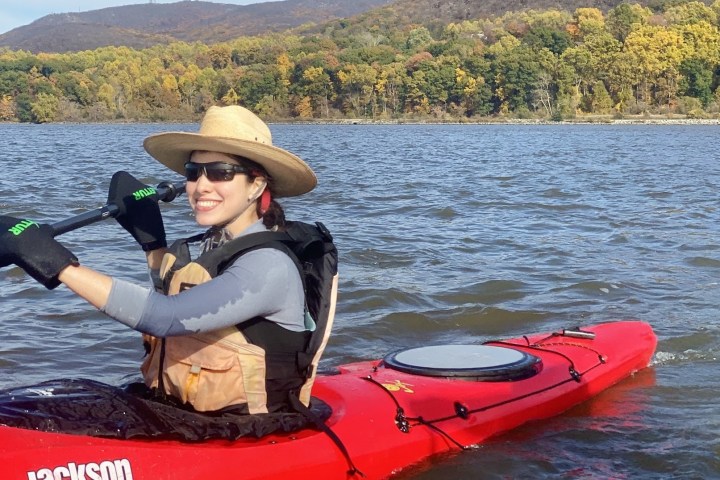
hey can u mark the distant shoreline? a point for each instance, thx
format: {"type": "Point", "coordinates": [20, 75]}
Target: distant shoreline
{"type": "Point", "coordinates": [613, 121]}
{"type": "Point", "coordinates": [594, 120]}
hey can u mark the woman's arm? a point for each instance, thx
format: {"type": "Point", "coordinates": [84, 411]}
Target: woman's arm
{"type": "Point", "coordinates": [262, 283]}
{"type": "Point", "coordinates": [91, 285]}
{"type": "Point", "coordinates": [94, 286]}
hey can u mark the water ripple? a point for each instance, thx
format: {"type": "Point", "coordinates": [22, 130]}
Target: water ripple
{"type": "Point", "coordinates": [446, 233]}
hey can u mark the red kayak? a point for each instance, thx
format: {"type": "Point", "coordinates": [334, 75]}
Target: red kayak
{"type": "Point", "coordinates": [386, 415]}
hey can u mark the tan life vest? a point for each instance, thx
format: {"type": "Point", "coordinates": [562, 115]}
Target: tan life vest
{"type": "Point", "coordinates": [224, 368]}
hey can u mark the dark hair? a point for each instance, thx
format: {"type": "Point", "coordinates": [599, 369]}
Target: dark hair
{"type": "Point", "coordinates": [274, 216]}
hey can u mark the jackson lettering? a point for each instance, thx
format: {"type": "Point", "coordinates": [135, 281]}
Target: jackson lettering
{"type": "Point", "coordinates": [106, 470]}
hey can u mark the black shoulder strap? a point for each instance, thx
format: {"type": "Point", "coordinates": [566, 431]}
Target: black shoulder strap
{"type": "Point", "coordinates": [217, 259]}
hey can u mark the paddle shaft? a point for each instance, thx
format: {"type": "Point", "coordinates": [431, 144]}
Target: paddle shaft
{"type": "Point", "coordinates": [166, 192]}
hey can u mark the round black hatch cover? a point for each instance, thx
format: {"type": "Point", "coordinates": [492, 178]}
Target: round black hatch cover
{"type": "Point", "coordinates": [476, 362]}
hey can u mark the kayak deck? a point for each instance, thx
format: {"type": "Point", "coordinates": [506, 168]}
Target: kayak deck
{"type": "Point", "coordinates": [386, 419]}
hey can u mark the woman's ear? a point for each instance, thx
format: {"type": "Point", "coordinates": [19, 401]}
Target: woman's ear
{"type": "Point", "coordinates": [259, 185]}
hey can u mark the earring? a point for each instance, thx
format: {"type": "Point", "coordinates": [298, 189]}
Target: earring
{"type": "Point", "coordinates": [265, 200]}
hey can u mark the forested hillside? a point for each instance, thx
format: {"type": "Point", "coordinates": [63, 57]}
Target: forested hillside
{"type": "Point", "coordinates": [143, 25]}
{"type": "Point", "coordinates": [550, 64]}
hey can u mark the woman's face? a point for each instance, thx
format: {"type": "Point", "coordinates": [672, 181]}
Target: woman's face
{"type": "Point", "coordinates": [229, 203]}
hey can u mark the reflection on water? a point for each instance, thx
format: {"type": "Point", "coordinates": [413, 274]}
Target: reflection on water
{"type": "Point", "coordinates": [447, 233]}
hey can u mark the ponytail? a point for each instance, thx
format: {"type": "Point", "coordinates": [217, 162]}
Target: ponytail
{"type": "Point", "coordinates": [274, 216]}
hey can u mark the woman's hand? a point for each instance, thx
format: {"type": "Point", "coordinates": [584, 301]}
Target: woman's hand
{"type": "Point", "coordinates": [139, 210]}
{"type": "Point", "coordinates": [32, 247]}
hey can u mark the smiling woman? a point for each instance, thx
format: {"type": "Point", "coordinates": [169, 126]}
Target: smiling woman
{"type": "Point", "coordinates": [233, 331]}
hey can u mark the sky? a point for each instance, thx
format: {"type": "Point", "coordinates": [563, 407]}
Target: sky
{"type": "Point", "coordinates": [16, 13]}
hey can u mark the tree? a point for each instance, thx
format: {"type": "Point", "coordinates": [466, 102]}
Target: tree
{"type": "Point", "coordinates": [170, 93]}
{"type": "Point", "coordinates": [76, 87]}
{"type": "Point", "coordinates": [7, 108]}
{"type": "Point", "coordinates": [600, 100]}
{"type": "Point", "coordinates": [45, 108]}
{"type": "Point", "coordinates": [418, 39]}
{"type": "Point", "coordinates": [689, 13]}
{"type": "Point", "coordinates": [317, 86]}
{"type": "Point", "coordinates": [697, 80]}
{"type": "Point", "coordinates": [515, 74]}
{"type": "Point", "coordinates": [358, 88]}
{"type": "Point", "coordinates": [656, 54]}
{"type": "Point", "coordinates": [390, 86]}
{"type": "Point", "coordinates": [623, 18]}
{"type": "Point", "coordinates": [303, 108]}
{"type": "Point", "coordinates": [106, 95]}
{"type": "Point", "coordinates": [589, 21]}
{"type": "Point", "coordinates": [554, 40]}
{"type": "Point", "coordinates": [471, 93]}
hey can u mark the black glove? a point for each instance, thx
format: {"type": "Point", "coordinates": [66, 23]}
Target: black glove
{"type": "Point", "coordinates": [31, 246]}
{"type": "Point", "coordinates": [139, 210]}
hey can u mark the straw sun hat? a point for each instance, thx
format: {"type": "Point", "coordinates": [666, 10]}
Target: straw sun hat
{"type": "Point", "coordinates": [237, 131]}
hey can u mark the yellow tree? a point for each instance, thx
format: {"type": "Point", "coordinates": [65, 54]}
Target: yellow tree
{"type": "Point", "coordinates": [701, 40]}
{"type": "Point", "coordinates": [656, 54]}
{"type": "Point", "coordinates": [220, 56]}
{"type": "Point", "coordinates": [303, 108]}
{"type": "Point", "coordinates": [702, 59]}
{"type": "Point", "coordinates": [231, 97]}
{"type": "Point", "coordinates": [358, 88]}
{"type": "Point", "coordinates": [468, 88]}
{"type": "Point", "coordinates": [285, 68]}
{"type": "Point", "coordinates": [170, 91]}
{"type": "Point", "coordinates": [388, 87]}
{"type": "Point", "coordinates": [7, 108]}
{"type": "Point", "coordinates": [690, 12]}
{"type": "Point", "coordinates": [588, 21]}
{"type": "Point", "coordinates": [188, 84]}
{"type": "Point", "coordinates": [106, 95]}
{"type": "Point", "coordinates": [317, 86]}
{"type": "Point", "coordinates": [44, 108]}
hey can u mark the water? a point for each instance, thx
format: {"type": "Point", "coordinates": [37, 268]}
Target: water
{"type": "Point", "coordinates": [447, 233]}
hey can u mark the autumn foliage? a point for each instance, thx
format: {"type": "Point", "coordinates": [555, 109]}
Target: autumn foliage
{"type": "Point", "coordinates": [538, 64]}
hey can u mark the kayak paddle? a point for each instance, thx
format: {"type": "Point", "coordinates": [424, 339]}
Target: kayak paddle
{"type": "Point", "coordinates": [166, 192]}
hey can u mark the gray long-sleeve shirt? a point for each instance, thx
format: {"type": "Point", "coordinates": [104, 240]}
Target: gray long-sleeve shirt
{"type": "Point", "coordinates": [261, 283]}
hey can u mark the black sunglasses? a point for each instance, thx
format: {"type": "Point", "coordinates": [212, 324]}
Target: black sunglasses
{"type": "Point", "coordinates": [215, 171]}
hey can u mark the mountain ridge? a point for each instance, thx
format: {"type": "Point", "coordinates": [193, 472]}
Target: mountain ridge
{"type": "Point", "coordinates": [145, 25]}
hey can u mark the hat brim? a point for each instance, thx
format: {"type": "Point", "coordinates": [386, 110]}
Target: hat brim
{"type": "Point", "coordinates": [290, 175]}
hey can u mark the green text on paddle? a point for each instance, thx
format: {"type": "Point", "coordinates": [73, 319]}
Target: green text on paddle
{"type": "Point", "coordinates": [143, 193]}
{"type": "Point", "coordinates": [22, 226]}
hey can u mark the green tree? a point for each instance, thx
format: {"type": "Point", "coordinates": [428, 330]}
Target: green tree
{"type": "Point", "coordinates": [691, 12]}
{"type": "Point", "coordinates": [697, 80]}
{"type": "Point", "coordinates": [623, 18]}
{"type": "Point", "coordinates": [418, 39]}
{"type": "Point", "coordinates": [600, 99]}
{"type": "Point", "coordinates": [76, 87]}
{"type": "Point", "coordinates": [515, 74]}
{"type": "Point", "coordinates": [256, 82]}
{"type": "Point", "coordinates": [554, 40]}
{"type": "Point", "coordinates": [45, 108]}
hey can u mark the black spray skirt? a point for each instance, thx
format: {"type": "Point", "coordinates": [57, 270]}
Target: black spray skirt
{"type": "Point", "coordinates": [87, 407]}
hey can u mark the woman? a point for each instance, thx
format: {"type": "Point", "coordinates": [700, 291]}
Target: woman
{"type": "Point", "coordinates": [229, 329]}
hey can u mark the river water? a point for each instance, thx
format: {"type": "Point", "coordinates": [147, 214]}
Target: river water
{"type": "Point", "coordinates": [447, 233]}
